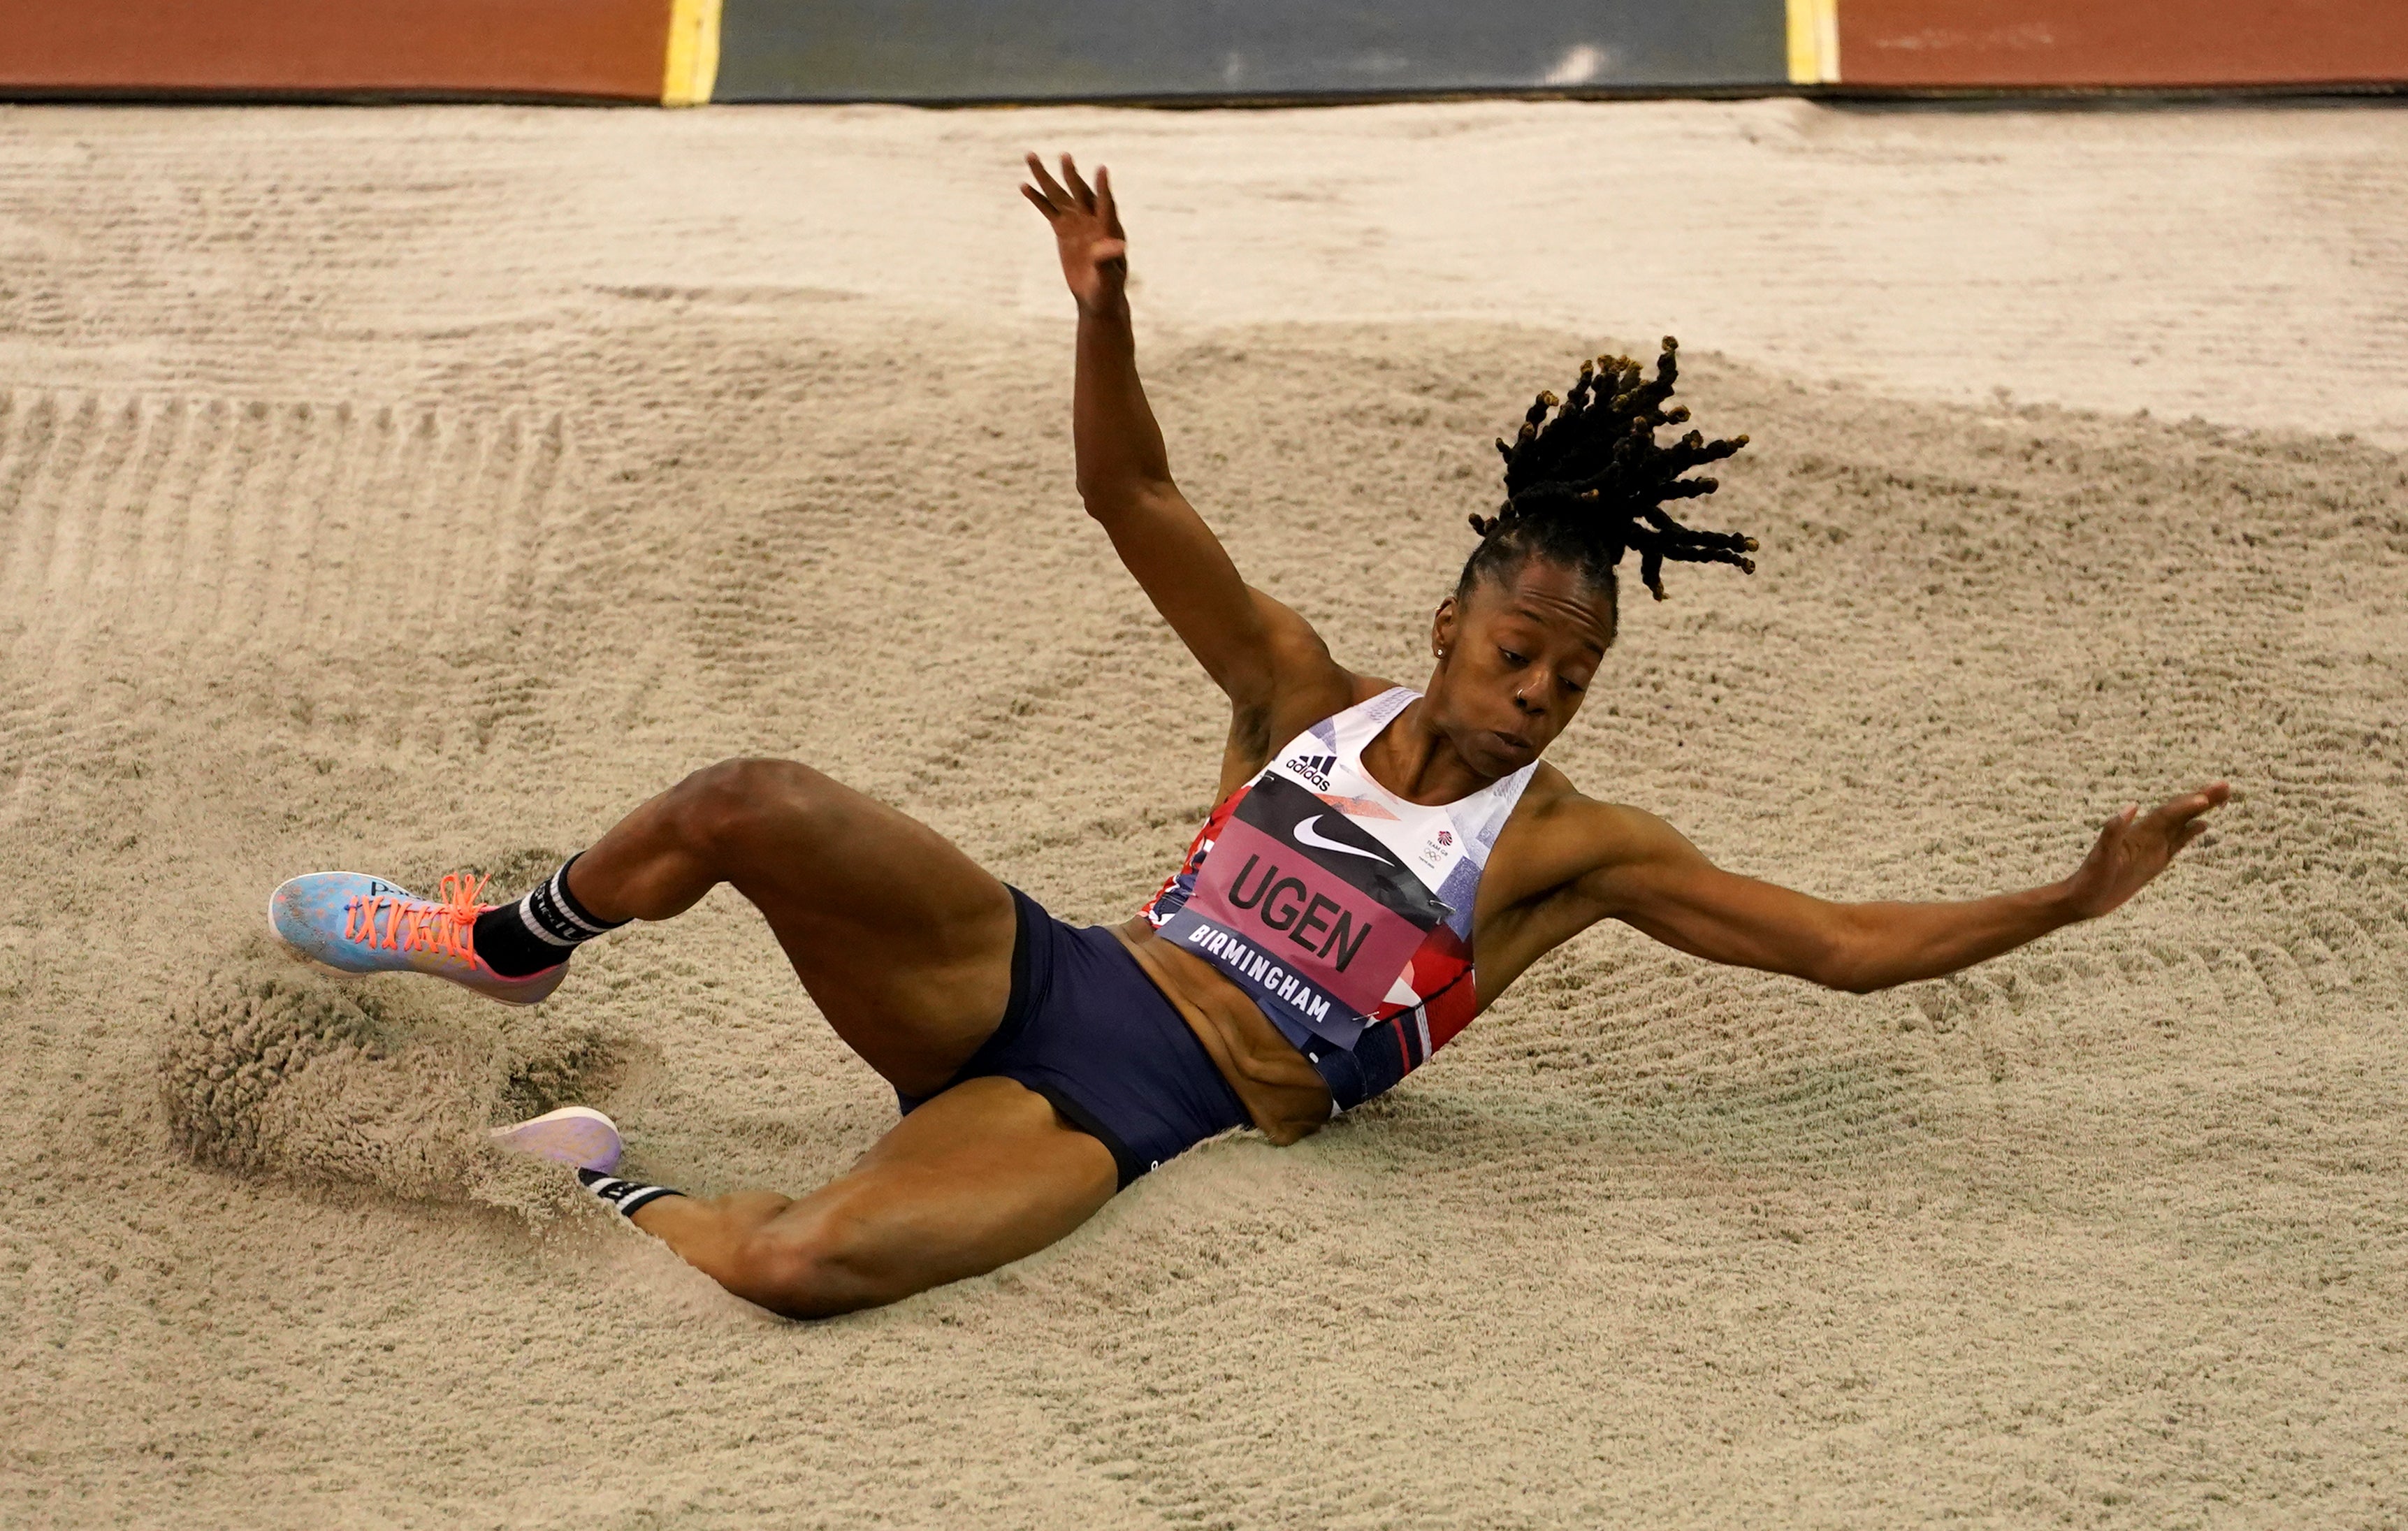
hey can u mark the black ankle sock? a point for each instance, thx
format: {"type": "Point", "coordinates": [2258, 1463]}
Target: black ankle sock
{"type": "Point", "coordinates": [540, 930]}
{"type": "Point", "coordinates": [627, 1196]}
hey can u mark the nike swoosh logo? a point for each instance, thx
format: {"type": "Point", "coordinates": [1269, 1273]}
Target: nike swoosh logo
{"type": "Point", "coordinates": [1304, 836]}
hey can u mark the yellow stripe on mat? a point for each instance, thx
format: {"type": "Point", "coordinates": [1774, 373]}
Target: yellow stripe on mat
{"type": "Point", "coordinates": [1814, 42]}
{"type": "Point", "coordinates": [693, 65]}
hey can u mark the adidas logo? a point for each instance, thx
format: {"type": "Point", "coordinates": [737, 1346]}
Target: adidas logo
{"type": "Point", "coordinates": [1313, 768]}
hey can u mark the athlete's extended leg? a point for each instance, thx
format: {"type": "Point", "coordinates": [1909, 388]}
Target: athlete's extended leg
{"type": "Point", "coordinates": [903, 941]}
{"type": "Point", "coordinates": [978, 1176]}
{"type": "Point", "coordinates": [905, 945]}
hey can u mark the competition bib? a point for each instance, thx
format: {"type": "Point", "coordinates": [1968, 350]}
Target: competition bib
{"type": "Point", "coordinates": [1342, 911]}
{"type": "Point", "coordinates": [1309, 914]}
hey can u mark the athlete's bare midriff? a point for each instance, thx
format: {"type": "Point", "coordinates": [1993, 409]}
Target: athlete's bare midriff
{"type": "Point", "coordinates": [1280, 1090]}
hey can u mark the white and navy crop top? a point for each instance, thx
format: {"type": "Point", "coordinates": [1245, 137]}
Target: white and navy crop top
{"type": "Point", "coordinates": [1341, 909]}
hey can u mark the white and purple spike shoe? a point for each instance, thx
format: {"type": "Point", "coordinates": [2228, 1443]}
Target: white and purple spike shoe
{"type": "Point", "coordinates": [579, 1136]}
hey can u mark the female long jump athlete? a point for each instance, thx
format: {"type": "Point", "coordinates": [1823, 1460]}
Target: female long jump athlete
{"type": "Point", "coordinates": [1317, 942]}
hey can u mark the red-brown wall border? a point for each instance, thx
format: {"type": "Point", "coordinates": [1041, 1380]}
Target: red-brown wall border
{"type": "Point", "coordinates": [2136, 44]}
{"type": "Point", "coordinates": [593, 49]}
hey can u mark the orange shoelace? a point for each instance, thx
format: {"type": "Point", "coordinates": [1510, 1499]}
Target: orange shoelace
{"type": "Point", "coordinates": [414, 924]}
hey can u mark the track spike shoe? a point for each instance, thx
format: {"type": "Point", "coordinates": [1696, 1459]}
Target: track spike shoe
{"type": "Point", "coordinates": [351, 922]}
{"type": "Point", "coordinates": [576, 1136]}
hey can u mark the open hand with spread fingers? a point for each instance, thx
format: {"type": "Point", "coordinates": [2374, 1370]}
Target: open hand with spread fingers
{"type": "Point", "coordinates": [1087, 231]}
{"type": "Point", "coordinates": [2134, 847]}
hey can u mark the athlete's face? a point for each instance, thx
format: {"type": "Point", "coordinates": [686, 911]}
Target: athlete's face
{"type": "Point", "coordinates": [1513, 659]}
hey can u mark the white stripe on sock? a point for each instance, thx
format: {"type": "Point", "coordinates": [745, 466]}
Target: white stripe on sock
{"type": "Point", "coordinates": [567, 910]}
{"type": "Point", "coordinates": [537, 931]}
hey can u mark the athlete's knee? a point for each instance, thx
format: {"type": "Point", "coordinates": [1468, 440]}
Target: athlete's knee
{"type": "Point", "coordinates": [815, 1267]}
{"type": "Point", "coordinates": [736, 802]}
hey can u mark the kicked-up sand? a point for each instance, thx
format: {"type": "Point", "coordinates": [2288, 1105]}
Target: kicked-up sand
{"type": "Point", "coordinates": [413, 490]}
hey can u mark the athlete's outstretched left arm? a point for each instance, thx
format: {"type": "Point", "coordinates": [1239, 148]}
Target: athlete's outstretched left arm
{"type": "Point", "coordinates": [1655, 881]}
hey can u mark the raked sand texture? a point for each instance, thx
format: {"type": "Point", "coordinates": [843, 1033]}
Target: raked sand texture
{"type": "Point", "coordinates": [412, 490]}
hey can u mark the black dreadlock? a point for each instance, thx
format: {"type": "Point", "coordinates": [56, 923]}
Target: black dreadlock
{"type": "Point", "coordinates": [1592, 482]}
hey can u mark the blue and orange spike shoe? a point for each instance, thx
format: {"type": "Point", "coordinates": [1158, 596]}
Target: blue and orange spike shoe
{"type": "Point", "coordinates": [355, 923]}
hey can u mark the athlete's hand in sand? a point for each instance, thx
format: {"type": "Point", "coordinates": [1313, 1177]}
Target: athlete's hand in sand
{"type": "Point", "coordinates": [2134, 847]}
{"type": "Point", "coordinates": [1087, 231]}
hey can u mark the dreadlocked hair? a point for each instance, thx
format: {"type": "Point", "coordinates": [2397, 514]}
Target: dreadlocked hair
{"type": "Point", "coordinates": [1591, 483]}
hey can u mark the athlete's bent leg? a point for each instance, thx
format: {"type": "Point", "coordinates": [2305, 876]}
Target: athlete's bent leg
{"type": "Point", "coordinates": [976, 1177]}
{"type": "Point", "coordinates": [904, 943]}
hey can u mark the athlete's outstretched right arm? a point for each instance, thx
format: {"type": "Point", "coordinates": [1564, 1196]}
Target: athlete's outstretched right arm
{"type": "Point", "coordinates": [1255, 649]}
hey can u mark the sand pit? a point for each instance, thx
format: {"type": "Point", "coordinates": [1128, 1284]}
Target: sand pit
{"type": "Point", "coordinates": [413, 490]}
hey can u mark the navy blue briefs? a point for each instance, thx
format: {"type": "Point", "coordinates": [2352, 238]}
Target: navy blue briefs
{"type": "Point", "coordinates": [1086, 1029]}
